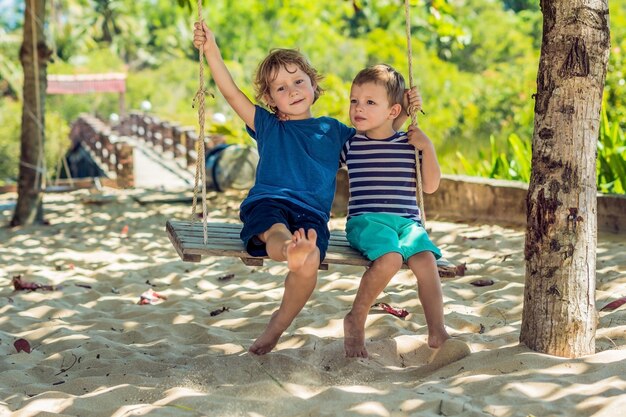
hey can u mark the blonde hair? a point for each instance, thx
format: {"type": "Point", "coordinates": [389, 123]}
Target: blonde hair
{"type": "Point", "coordinates": [386, 76]}
{"type": "Point", "coordinates": [280, 58]}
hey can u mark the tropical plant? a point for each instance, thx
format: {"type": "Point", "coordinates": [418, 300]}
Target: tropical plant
{"type": "Point", "coordinates": [10, 71]}
{"type": "Point", "coordinates": [611, 165]}
{"type": "Point", "coordinates": [615, 86]}
{"type": "Point", "coordinates": [514, 165]}
{"type": "Point", "coordinates": [9, 139]}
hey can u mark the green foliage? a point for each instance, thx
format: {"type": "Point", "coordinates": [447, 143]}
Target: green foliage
{"type": "Point", "coordinates": [611, 165]}
{"type": "Point", "coordinates": [515, 162]}
{"type": "Point", "coordinates": [615, 86]}
{"type": "Point", "coordinates": [475, 63]}
{"type": "Point", "coordinates": [520, 165]}
{"type": "Point", "coordinates": [10, 121]}
{"type": "Point", "coordinates": [231, 130]}
{"type": "Point", "coordinates": [171, 99]}
{"type": "Point", "coordinates": [519, 5]}
{"type": "Point", "coordinates": [56, 141]}
{"type": "Point", "coordinates": [512, 165]}
{"type": "Point", "coordinates": [97, 60]}
{"type": "Point", "coordinates": [10, 69]}
{"type": "Point", "coordinates": [189, 4]}
{"type": "Point", "coordinates": [491, 43]}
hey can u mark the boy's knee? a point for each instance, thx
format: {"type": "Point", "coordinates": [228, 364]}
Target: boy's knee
{"type": "Point", "coordinates": [389, 261]}
{"type": "Point", "coordinates": [423, 261]}
{"type": "Point", "coordinates": [423, 257]}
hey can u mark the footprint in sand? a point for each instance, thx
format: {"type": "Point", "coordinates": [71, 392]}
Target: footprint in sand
{"type": "Point", "coordinates": [451, 351]}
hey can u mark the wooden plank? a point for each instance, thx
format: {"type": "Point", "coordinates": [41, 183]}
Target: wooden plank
{"type": "Point", "coordinates": [226, 235]}
{"type": "Point", "coordinates": [164, 198]}
{"type": "Point", "coordinates": [174, 238]}
{"type": "Point", "coordinates": [231, 231]}
{"type": "Point", "coordinates": [223, 240]}
{"type": "Point", "coordinates": [215, 242]}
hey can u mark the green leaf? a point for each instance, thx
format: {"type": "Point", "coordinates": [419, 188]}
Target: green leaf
{"type": "Point", "coordinates": [522, 156]}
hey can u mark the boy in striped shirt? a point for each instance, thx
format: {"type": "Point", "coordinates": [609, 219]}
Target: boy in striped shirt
{"type": "Point", "coordinates": [384, 220]}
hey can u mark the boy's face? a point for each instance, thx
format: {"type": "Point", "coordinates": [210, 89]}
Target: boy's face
{"type": "Point", "coordinates": [292, 92]}
{"type": "Point", "coordinates": [370, 110]}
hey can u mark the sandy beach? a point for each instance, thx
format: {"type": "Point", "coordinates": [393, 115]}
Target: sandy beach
{"type": "Point", "coordinates": [96, 351]}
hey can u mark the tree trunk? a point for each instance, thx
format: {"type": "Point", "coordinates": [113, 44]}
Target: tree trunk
{"type": "Point", "coordinates": [559, 315]}
{"type": "Point", "coordinates": [34, 62]}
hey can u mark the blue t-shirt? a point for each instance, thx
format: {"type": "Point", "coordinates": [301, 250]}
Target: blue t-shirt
{"type": "Point", "coordinates": [298, 160]}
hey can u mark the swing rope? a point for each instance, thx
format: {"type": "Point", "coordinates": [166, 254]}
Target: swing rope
{"type": "Point", "coordinates": [413, 113]}
{"type": "Point", "coordinates": [40, 169]}
{"type": "Point", "coordinates": [200, 164]}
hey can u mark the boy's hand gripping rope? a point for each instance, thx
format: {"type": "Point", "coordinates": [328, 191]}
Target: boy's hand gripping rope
{"type": "Point", "coordinates": [413, 113]}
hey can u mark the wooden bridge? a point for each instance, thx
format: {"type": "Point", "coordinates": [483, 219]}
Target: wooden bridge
{"type": "Point", "coordinates": [140, 151]}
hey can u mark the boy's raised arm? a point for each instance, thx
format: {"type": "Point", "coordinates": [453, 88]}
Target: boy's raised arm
{"type": "Point", "coordinates": [204, 38]}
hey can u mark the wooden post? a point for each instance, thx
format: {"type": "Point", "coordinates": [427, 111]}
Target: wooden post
{"type": "Point", "coordinates": [135, 119]}
{"type": "Point", "coordinates": [178, 137]}
{"type": "Point", "coordinates": [154, 132]}
{"type": "Point", "coordinates": [109, 152]}
{"type": "Point", "coordinates": [167, 143]}
{"type": "Point", "coordinates": [124, 164]}
{"type": "Point", "coordinates": [97, 143]}
{"type": "Point", "coordinates": [142, 131]}
{"type": "Point", "coordinates": [191, 137]}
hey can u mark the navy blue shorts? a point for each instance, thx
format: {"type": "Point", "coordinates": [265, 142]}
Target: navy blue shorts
{"type": "Point", "coordinates": [260, 215]}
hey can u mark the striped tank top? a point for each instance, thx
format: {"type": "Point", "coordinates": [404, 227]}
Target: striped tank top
{"type": "Point", "coordinates": [381, 175]}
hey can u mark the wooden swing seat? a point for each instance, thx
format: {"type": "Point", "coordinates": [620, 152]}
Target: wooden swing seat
{"type": "Point", "coordinates": [223, 240]}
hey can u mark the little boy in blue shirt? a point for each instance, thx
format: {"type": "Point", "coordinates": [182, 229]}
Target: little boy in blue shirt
{"type": "Point", "coordinates": [286, 212]}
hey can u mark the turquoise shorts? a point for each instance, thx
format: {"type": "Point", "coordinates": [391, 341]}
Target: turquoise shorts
{"type": "Point", "coordinates": [376, 234]}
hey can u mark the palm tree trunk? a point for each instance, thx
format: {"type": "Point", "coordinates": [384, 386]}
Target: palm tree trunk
{"type": "Point", "coordinates": [559, 315]}
{"type": "Point", "coordinates": [34, 55]}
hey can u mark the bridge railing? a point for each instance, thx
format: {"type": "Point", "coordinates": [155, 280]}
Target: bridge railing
{"type": "Point", "coordinates": [112, 153]}
{"type": "Point", "coordinates": [112, 148]}
{"type": "Point", "coordinates": [170, 137]}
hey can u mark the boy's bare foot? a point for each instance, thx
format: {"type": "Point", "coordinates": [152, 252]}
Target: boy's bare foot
{"type": "Point", "coordinates": [354, 337]}
{"type": "Point", "coordinates": [268, 339]}
{"type": "Point", "coordinates": [300, 248]}
{"type": "Point", "coordinates": [437, 337]}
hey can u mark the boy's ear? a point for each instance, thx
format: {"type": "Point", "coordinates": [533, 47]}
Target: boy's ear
{"type": "Point", "coordinates": [268, 99]}
{"type": "Point", "coordinates": [395, 111]}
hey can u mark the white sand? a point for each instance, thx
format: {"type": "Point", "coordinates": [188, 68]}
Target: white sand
{"type": "Point", "coordinates": [96, 352]}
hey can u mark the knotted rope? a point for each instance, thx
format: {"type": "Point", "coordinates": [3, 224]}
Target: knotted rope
{"type": "Point", "coordinates": [40, 168]}
{"type": "Point", "coordinates": [200, 163]}
{"type": "Point", "coordinates": [413, 113]}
